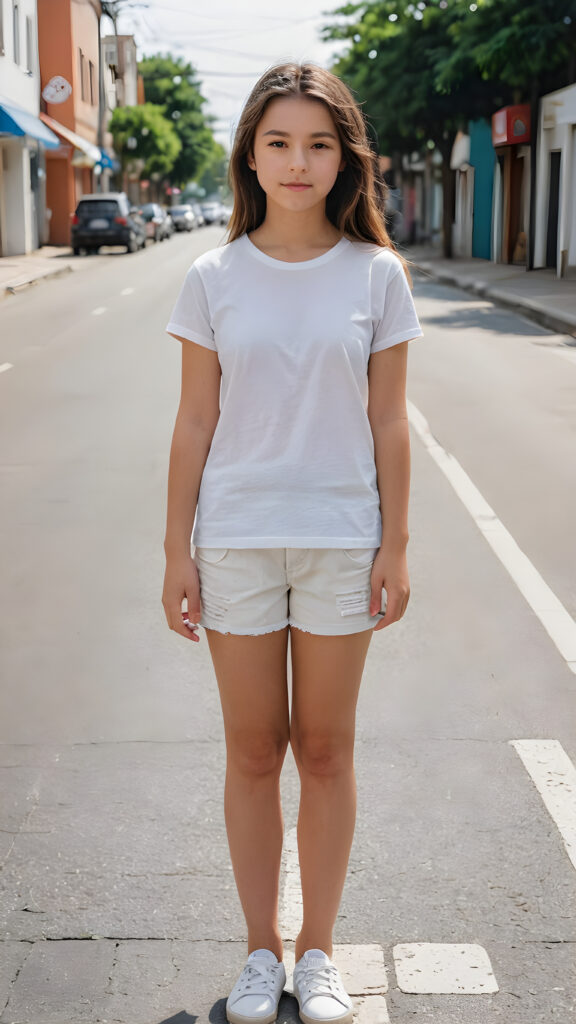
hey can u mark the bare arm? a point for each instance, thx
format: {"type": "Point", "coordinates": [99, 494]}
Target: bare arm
{"type": "Point", "coordinates": [389, 424]}
{"type": "Point", "coordinates": [196, 421]}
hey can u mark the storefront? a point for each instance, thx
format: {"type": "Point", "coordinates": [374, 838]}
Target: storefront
{"type": "Point", "coordinates": [511, 197]}
{"type": "Point", "coordinates": [23, 140]}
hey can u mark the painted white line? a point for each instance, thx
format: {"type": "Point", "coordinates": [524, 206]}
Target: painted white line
{"type": "Point", "coordinates": [127, 291]}
{"type": "Point", "coordinates": [554, 776]}
{"type": "Point", "coordinates": [99, 310]}
{"type": "Point", "coordinates": [438, 967]}
{"type": "Point", "coordinates": [361, 967]}
{"type": "Point", "coordinates": [291, 901]}
{"type": "Point", "coordinates": [6, 366]}
{"type": "Point", "coordinates": [371, 1010]}
{"type": "Point", "coordinates": [556, 620]}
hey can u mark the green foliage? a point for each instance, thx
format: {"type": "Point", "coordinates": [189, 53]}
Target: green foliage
{"type": "Point", "coordinates": [172, 84]}
{"type": "Point", "coordinates": [517, 42]}
{"type": "Point", "coordinates": [424, 69]}
{"type": "Point", "coordinates": [156, 140]}
{"type": "Point", "coordinates": [214, 177]}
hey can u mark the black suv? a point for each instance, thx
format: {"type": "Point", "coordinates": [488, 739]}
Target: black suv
{"type": "Point", "coordinates": [107, 218]}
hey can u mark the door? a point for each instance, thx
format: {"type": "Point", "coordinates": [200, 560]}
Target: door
{"type": "Point", "coordinates": [553, 207]}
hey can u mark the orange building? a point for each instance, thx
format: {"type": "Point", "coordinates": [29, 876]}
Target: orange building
{"type": "Point", "coordinates": [69, 51]}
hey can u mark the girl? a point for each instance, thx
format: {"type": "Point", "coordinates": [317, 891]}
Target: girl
{"type": "Point", "coordinates": [290, 463]}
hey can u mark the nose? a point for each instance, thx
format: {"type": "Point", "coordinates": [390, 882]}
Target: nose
{"type": "Point", "coordinates": [298, 160]}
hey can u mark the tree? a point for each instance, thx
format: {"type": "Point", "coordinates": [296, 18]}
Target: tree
{"type": "Point", "coordinates": [425, 69]}
{"type": "Point", "coordinates": [144, 139]}
{"type": "Point", "coordinates": [214, 178]}
{"type": "Point", "coordinates": [172, 84]}
{"type": "Point", "coordinates": [393, 64]}
{"type": "Point", "coordinates": [516, 42]}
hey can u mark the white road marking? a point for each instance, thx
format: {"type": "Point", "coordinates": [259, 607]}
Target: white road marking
{"type": "Point", "coordinates": [291, 901]}
{"type": "Point", "coordinates": [126, 291]}
{"type": "Point", "coordinates": [554, 776]}
{"type": "Point", "coordinates": [371, 1010]}
{"type": "Point", "coordinates": [438, 967]}
{"type": "Point", "coordinates": [556, 620]}
{"type": "Point", "coordinates": [362, 968]}
{"type": "Point", "coordinates": [6, 366]}
{"type": "Point", "coordinates": [99, 310]}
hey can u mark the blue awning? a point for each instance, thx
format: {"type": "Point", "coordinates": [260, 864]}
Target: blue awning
{"type": "Point", "coordinates": [106, 160]}
{"type": "Point", "coordinates": [16, 121]}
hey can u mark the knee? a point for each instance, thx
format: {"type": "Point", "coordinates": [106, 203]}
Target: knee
{"type": "Point", "coordinates": [256, 754]}
{"type": "Point", "coordinates": [323, 755]}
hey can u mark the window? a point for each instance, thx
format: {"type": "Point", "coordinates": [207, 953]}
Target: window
{"type": "Point", "coordinates": [91, 76]}
{"type": "Point", "coordinates": [2, 50]}
{"type": "Point", "coordinates": [29, 46]}
{"type": "Point", "coordinates": [16, 30]}
{"type": "Point", "coordinates": [82, 74]}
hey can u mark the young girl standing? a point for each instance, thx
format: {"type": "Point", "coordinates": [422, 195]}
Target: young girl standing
{"type": "Point", "coordinates": [290, 467]}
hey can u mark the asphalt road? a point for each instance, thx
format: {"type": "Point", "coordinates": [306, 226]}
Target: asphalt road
{"type": "Point", "coordinates": [118, 902]}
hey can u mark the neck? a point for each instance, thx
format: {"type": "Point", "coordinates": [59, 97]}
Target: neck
{"type": "Point", "coordinates": [289, 230]}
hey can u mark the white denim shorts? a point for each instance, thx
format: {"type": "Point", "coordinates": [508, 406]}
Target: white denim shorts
{"type": "Point", "coordinates": [250, 591]}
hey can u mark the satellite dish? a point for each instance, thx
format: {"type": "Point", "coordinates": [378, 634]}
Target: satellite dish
{"type": "Point", "coordinates": [57, 90]}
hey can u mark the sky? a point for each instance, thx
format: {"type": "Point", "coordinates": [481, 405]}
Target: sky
{"type": "Point", "coordinates": [230, 43]}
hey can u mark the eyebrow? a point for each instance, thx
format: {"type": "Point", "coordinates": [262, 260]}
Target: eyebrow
{"type": "Point", "coordinates": [313, 135]}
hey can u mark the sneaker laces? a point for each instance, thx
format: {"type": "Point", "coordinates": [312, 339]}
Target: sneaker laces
{"type": "Point", "coordinates": [322, 981]}
{"type": "Point", "coordinates": [250, 975]}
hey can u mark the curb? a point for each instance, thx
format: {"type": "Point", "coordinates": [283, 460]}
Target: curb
{"type": "Point", "coordinates": [560, 324]}
{"type": "Point", "coordinates": [13, 289]}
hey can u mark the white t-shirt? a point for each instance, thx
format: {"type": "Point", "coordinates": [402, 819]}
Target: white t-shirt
{"type": "Point", "coordinates": [291, 462]}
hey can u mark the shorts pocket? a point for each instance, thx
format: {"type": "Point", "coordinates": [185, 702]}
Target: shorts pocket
{"type": "Point", "coordinates": [211, 555]}
{"type": "Point", "coordinates": [362, 556]}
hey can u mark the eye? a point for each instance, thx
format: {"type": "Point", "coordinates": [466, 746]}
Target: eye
{"type": "Point", "coordinates": [277, 142]}
{"type": "Point", "coordinates": [322, 144]}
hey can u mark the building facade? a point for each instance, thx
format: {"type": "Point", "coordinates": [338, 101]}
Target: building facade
{"type": "Point", "coordinates": [69, 46]}
{"type": "Point", "coordinates": [24, 139]}
{"type": "Point", "coordinates": [555, 234]}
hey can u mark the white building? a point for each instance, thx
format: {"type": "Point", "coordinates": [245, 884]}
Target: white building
{"type": "Point", "coordinates": [555, 238]}
{"type": "Point", "coordinates": [23, 136]}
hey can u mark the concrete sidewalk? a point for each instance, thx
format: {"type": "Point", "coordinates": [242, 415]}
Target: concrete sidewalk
{"type": "Point", "coordinates": [537, 294]}
{"type": "Point", "coordinates": [18, 272]}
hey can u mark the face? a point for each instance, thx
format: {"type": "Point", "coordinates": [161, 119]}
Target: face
{"type": "Point", "coordinates": [297, 154]}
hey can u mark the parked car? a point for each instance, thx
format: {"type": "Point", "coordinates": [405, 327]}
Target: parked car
{"type": "Point", "coordinates": [106, 218]}
{"type": "Point", "coordinates": [214, 213]}
{"type": "Point", "coordinates": [183, 217]}
{"type": "Point", "coordinates": [197, 210]}
{"type": "Point", "coordinates": [158, 222]}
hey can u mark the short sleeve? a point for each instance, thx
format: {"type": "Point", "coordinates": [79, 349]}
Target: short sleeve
{"type": "Point", "coordinates": [190, 317]}
{"type": "Point", "coordinates": [395, 317]}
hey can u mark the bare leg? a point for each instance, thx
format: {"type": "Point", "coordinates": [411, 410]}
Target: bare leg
{"type": "Point", "coordinates": [252, 680]}
{"type": "Point", "coordinates": [326, 675]}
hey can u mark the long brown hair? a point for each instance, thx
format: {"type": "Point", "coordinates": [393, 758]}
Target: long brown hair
{"type": "Point", "coordinates": [355, 205]}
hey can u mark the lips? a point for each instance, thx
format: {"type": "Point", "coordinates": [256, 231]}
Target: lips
{"type": "Point", "coordinates": [296, 186]}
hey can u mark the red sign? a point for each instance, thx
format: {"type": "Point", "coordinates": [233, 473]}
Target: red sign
{"type": "Point", "coordinates": [511, 125]}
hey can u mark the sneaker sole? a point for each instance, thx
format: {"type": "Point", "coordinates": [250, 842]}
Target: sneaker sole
{"type": "Point", "coordinates": [346, 1018]}
{"type": "Point", "coordinates": [240, 1018]}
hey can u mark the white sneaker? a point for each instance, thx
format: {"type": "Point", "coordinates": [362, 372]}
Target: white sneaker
{"type": "Point", "coordinates": [255, 996]}
{"type": "Point", "coordinates": [318, 988]}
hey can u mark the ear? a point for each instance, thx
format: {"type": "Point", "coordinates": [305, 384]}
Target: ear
{"type": "Point", "coordinates": [342, 166]}
{"type": "Point", "coordinates": [251, 161]}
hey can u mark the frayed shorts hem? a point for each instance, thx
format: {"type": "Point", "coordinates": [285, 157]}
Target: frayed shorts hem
{"type": "Point", "coordinates": [316, 630]}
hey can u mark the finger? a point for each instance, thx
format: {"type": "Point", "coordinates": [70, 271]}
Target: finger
{"type": "Point", "coordinates": [395, 609]}
{"type": "Point", "coordinates": [378, 599]}
{"type": "Point", "coordinates": [188, 629]}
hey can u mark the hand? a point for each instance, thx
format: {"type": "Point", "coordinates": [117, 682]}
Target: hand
{"type": "Point", "coordinates": [181, 581]}
{"type": "Point", "coordinates": [389, 570]}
